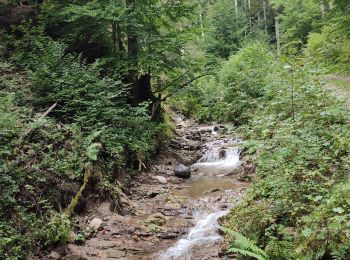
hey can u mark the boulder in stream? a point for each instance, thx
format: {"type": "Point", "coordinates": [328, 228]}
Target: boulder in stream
{"type": "Point", "coordinates": [182, 171]}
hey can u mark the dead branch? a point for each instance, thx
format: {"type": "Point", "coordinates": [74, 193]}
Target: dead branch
{"type": "Point", "coordinates": [28, 134]}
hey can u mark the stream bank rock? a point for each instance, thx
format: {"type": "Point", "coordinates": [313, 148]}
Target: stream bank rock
{"type": "Point", "coordinates": [95, 224]}
{"type": "Point", "coordinates": [161, 179]}
{"type": "Point", "coordinates": [182, 171]}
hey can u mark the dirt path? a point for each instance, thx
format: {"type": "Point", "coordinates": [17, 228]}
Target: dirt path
{"type": "Point", "coordinates": [162, 208]}
{"type": "Point", "coordinates": [340, 86]}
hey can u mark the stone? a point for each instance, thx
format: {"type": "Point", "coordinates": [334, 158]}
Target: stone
{"type": "Point", "coordinates": [72, 257]}
{"type": "Point", "coordinates": [170, 235]}
{"type": "Point", "coordinates": [115, 253]}
{"type": "Point", "coordinates": [54, 255]}
{"type": "Point", "coordinates": [72, 236]}
{"type": "Point", "coordinates": [95, 224]}
{"type": "Point", "coordinates": [216, 128]}
{"type": "Point", "coordinates": [182, 171]}
{"type": "Point", "coordinates": [157, 218]}
{"type": "Point", "coordinates": [161, 179]}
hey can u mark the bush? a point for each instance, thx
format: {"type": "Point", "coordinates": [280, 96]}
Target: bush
{"type": "Point", "coordinates": [331, 47]}
{"type": "Point", "coordinates": [300, 139]}
{"type": "Point", "coordinates": [92, 125]}
{"type": "Point", "coordinates": [245, 76]}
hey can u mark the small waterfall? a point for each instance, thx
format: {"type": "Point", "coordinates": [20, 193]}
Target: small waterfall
{"type": "Point", "coordinates": [204, 233]}
{"type": "Point", "coordinates": [219, 157]}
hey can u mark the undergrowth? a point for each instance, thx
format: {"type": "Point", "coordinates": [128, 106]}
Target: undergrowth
{"type": "Point", "coordinates": [42, 160]}
{"type": "Point", "coordinates": [297, 206]}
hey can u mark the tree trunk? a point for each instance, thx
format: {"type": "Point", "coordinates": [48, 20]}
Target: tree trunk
{"type": "Point", "coordinates": [236, 8]}
{"type": "Point", "coordinates": [132, 78]}
{"type": "Point", "coordinates": [250, 16]}
{"type": "Point", "coordinates": [265, 19]}
{"type": "Point", "coordinates": [201, 21]}
{"type": "Point", "coordinates": [322, 7]}
{"type": "Point", "coordinates": [114, 39]}
{"type": "Point", "coordinates": [277, 29]}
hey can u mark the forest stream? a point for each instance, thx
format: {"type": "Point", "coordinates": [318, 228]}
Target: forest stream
{"type": "Point", "coordinates": [167, 217]}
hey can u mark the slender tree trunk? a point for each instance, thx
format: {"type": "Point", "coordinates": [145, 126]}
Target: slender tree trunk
{"type": "Point", "coordinates": [201, 21]}
{"type": "Point", "coordinates": [132, 39]}
{"type": "Point", "coordinates": [114, 39]}
{"type": "Point", "coordinates": [236, 8]}
{"type": "Point", "coordinates": [259, 19]}
{"type": "Point", "coordinates": [265, 19]}
{"type": "Point", "coordinates": [322, 7]}
{"type": "Point", "coordinates": [120, 46]}
{"type": "Point", "coordinates": [277, 29]}
{"type": "Point", "coordinates": [250, 16]}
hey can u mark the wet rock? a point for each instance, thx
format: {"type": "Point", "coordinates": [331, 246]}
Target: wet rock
{"type": "Point", "coordinates": [222, 153]}
{"type": "Point", "coordinates": [72, 257]}
{"type": "Point", "coordinates": [171, 235]}
{"type": "Point", "coordinates": [214, 190]}
{"type": "Point", "coordinates": [95, 224]}
{"type": "Point", "coordinates": [216, 128]}
{"type": "Point", "coordinates": [161, 179]}
{"type": "Point", "coordinates": [182, 171]}
{"type": "Point", "coordinates": [54, 255]}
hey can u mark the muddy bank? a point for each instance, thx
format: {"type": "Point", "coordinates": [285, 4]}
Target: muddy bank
{"type": "Point", "coordinates": [167, 217]}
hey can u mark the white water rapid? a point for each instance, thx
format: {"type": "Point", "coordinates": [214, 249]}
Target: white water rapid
{"type": "Point", "coordinates": [221, 157]}
{"type": "Point", "coordinates": [204, 233]}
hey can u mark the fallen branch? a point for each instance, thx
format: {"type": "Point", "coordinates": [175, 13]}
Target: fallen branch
{"type": "Point", "coordinates": [28, 134]}
{"type": "Point", "coordinates": [75, 200]}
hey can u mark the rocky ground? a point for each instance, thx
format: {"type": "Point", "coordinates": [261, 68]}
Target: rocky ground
{"type": "Point", "coordinates": [159, 207]}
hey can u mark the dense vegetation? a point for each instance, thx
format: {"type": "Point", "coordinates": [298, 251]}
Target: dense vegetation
{"type": "Point", "coordinates": [82, 87]}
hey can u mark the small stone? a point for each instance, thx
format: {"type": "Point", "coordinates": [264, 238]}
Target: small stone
{"type": "Point", "coordinates": [95, 224]}
{"type": "Point", "coordinates": [182, 171]}
{"type": "Point", "coordinates": [161, 179]}
{"type": "Point", "coordinates": [216, 128]}
{"type": "Point", "coordinates": [54, 255]}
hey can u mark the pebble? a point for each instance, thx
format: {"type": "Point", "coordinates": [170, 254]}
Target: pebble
{"type": "Point", "coordinates": [54, 255]}
{"type": "Point", "coordinates": [95, 224]}
{"type": "Point", "coordinates": [161, 179]}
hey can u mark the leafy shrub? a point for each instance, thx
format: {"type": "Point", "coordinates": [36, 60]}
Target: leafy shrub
{"type": "Point", "coordinates": [331, 47]}
{"type": "Point", "coordinates": [92, 124]}
{"type": "Point", "coordinates": [299, 135]}
{"type": "Point", "coordinates": [244, 77]}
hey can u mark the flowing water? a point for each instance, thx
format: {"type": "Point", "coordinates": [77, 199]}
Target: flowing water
{"type": "Point", "coordinates": [211, 187]}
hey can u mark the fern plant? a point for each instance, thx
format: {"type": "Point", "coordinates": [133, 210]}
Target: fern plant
{"type": "Point", "coordinates": [243, 245]}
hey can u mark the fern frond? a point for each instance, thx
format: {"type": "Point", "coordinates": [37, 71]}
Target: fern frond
{"type": "Point", "coordinates": [244, 244]}
{"type": "Point", "coordinates": [246, 253]}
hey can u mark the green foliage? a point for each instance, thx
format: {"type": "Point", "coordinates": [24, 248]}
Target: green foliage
{"type": "Point", "coordinates": [58, 228]}
{"type": "Point", "coordinates": [244, 246]}
{"type": "Point", "coordinates": [244, 76]}
{"type": "Point", "coordinates": [92, 123]}
{"type": "Point", "coordinates": [331, 47]}
{"type": "Point", "coordinates": [299, 136]}
{"type": "Point", "coordinates": [298, 19]}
